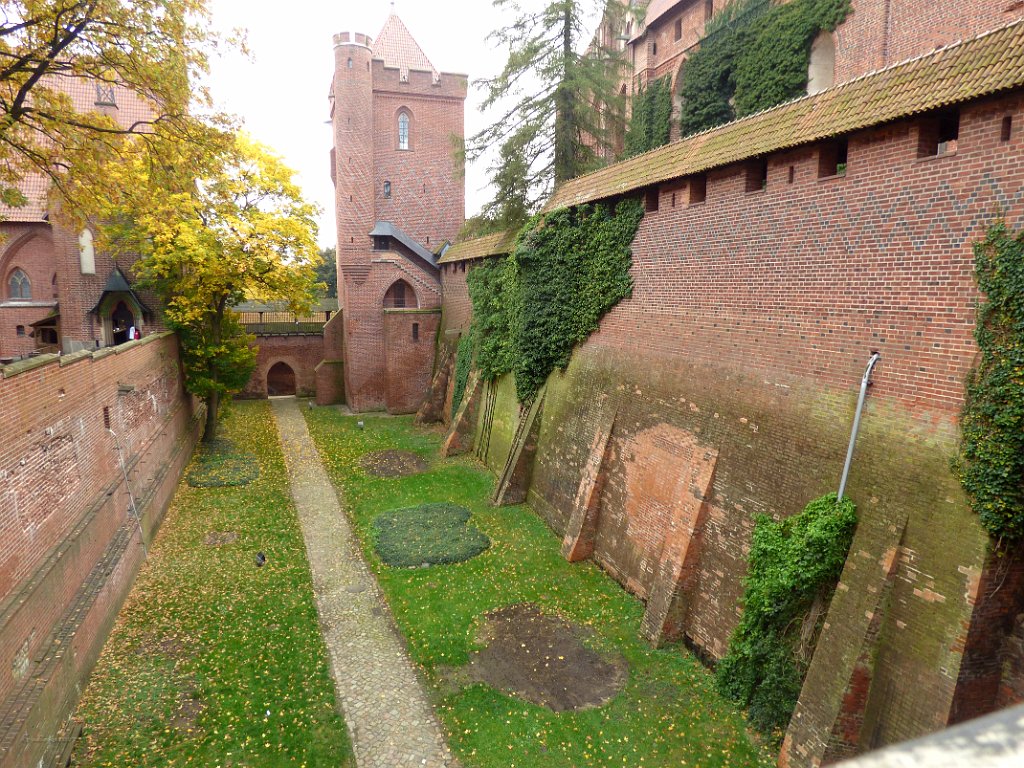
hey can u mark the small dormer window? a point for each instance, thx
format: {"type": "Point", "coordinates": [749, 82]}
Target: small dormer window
{"type": "Point", "coordinates": [105, 95]}
{"type": "Point", "coordinates": [403, 131]}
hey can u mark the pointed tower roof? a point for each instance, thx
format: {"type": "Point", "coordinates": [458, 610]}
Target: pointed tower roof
{"type": "Point", "coordinates": [396, 47]}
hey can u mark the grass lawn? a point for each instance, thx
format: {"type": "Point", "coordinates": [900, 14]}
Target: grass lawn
{"type": "Point", "coordinates": [669, 713]}
{"type": "Point", "coordinates": [213, 661]}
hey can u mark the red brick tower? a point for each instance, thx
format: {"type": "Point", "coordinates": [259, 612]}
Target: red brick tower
{"type": "Point", "coordinates": [399, 199]}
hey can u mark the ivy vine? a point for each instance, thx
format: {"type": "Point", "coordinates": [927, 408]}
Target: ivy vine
{"type": "Point", "coordinates": [463, 363]}
{"type": "Point", "coordinates": [651, 121]}
{"type": "Point", "coordinates": [568, 268]}
{"type": "Point", "coordinates": [990, 464]}
{"type": "Point", "coordinates": [794, 566]}
{"type": "Point", "coordinates": [755, 55]}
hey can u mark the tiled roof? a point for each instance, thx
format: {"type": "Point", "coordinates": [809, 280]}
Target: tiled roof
{"type": "Point", "coordinates": [985, 65]}
{"type": "Point", "coordinates": [489, 245]}
{"type": "Point", "coordinates": [396, 47]}
{"type": "Point", "coordinates": [129, 110]}
{"type": "Point", "coordinates": [387, 229]}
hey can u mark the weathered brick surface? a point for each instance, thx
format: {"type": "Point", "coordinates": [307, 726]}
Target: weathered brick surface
{"type": "Point", "coordinates": [425, 198]}
{"type": "Point", "coordinates": [63, 510]}
{"type": "Point", "coordinates": [458, 310]}
{"type": "Point", "coordinates": [409, 341]}
{"type": "Point", "coordinates": [752, 317]}
{"type": "Point", "coordinates": [300, 353]}
{"type": "Point", "coordinates": [882, 32]}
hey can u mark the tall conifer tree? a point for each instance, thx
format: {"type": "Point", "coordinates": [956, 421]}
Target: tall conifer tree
{"type": "Point", "coordinates": [557, 102]}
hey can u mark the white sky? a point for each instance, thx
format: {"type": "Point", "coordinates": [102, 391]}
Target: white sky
{"type": "Point", "coordinates": [282, 93]}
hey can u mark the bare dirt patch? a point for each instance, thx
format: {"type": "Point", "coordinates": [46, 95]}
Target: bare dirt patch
{"type": "Point", "coordinates": [220, 538]}
{"type": "Point", "coordinates": [392, 463]}
{"type": "Point", "coordinates": [542, 659]}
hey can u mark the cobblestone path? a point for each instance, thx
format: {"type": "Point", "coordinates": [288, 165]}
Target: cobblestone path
{"type": "Point", "coordinates": [388, 715]}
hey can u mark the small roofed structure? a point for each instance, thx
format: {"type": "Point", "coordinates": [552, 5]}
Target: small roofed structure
{"type": "Point", "coordinates": [499, 244]}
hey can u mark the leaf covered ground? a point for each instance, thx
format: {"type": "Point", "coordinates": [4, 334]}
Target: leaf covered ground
{"type": "Point", "coordinates": [214, 661]}
{"type": "Point", "coordinates": [669, 713]}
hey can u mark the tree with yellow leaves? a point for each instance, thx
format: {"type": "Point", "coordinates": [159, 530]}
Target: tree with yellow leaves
{"type": "Point", "coordinates": [240, 231]}
{"type": "Point", "coordinates": [61, 61]}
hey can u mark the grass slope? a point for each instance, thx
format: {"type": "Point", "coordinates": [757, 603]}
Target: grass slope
{"type": "Point", "coordinates": [213, 661]}
{"type": "Point", "coordinates": [669, 713]}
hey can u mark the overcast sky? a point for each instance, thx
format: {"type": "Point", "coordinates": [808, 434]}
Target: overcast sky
{"type": "Point", "coordinates": [282, 93]}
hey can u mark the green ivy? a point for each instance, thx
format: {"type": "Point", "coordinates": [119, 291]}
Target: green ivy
{"type": "Point", "coordinates": [990, 464]}
{"type": "Point", "coordinates": [793, 563]}
{"type": "Point", "coordinates": [755, 55]}
{"type": "Point", "coordinates": [651, 121]}
{"type": "Point", "coordinates": [463, 362]}
{"type": "Point", "coordinates": [568, 268]}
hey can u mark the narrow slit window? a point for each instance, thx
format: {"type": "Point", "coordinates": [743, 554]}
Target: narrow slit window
{"type": "Point", "coordinates": [757, 175]}
{"type": "Point", "coordinates": [698, 189]}
{"type": "Point", "coordinates": [1007, 129]}
{"type": "Point", "coordinates": [387, 189]}
{"type": "Point", "coordinates": [679, 29]}
{"type": "Point", "coordinates": [415, 331]}
{"type": "Point", "coordinates": [651, 200]}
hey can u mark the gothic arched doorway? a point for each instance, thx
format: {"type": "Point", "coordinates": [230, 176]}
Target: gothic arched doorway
{"type": "Point", "coordinates": [122, 320]}
{"type": "Point", "coordinates": [280, 380]}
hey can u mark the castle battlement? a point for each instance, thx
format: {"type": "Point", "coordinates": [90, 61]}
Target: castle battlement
{"type": "Point", "coordinates": [353, 38]}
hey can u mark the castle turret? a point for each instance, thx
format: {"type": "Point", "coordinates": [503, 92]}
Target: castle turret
{"type": "Point", "coordinates": [399, 197]}
{"type": "Point", "coordinates": [352, 161]}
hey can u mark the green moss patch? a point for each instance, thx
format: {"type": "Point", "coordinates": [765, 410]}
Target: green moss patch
{"type": "Point", "coordinates": [219, 464]}
{"type": "Point", "coordinates": [430, 534]}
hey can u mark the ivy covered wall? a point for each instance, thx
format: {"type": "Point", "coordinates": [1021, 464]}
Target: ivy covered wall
{"type": "Point", "coordinates": [568, 268]}
{"type": "Point", "coordinates": [755, 55]}
{"type": "Point", "coordinates": [651, 120]}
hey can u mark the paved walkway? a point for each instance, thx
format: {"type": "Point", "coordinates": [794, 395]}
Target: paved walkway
{"type": "Point", "coordinates": [388, 715]}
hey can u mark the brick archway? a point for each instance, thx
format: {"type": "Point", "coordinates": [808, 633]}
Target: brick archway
{"type": "Point", "coordinates": [280, 380]}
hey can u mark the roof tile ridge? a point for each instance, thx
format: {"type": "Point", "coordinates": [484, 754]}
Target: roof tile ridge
{"type": "Point", "coordinates": [936, 53]}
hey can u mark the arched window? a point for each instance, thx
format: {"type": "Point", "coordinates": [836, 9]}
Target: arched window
{"type": "Point", "coordinates": [400, 296]}
{"type": "Point", "coordinates": [403, 130]}
{"type": "Point", "coordinates": [19, 286]}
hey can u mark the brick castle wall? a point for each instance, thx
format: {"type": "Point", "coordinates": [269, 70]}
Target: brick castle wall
{"type": "Point", "coordinates": [752, 317]}
{"type": "Point", "coordinates": [458, 310]}
{"type": "Point", "coordinates": [427, 191]}
{"type": "Point", "coordinates": [300, 353]}
{"type": "Point", "coordinates": [28, 247]}
{"type": "Point", "coordinates": [409, 342]}
{"type": "Point", "coordinates": [70, 548]}
{"type": "Point", "coordinates": [879, 33]}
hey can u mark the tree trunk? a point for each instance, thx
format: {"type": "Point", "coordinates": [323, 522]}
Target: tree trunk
{"type": "Point", "coordinates": [213, 399]}
{"type": "Point", "coordinates": [212, 411]}
{"type": "Point", "coordinates": [565, 118]}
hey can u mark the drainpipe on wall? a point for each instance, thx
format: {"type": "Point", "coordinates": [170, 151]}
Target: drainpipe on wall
{"type": "Point", "coordinates": [131, 498]}
{"type": "Point", "coordinates": [875, 357]}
